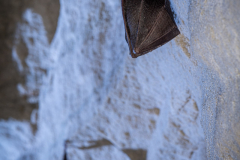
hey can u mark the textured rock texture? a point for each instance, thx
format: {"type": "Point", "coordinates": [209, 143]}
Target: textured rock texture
{"type": "Point", "coordinates": [69, 88]}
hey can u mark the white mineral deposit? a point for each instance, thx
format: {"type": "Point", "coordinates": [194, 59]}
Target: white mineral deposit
{"type": "Point", "coordinates": [68, 85]}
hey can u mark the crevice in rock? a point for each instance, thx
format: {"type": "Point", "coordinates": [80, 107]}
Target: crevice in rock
{"type": "Point", "coordinates": [96, 144]}
{"type": "Point", "coordinates": [136, 154]}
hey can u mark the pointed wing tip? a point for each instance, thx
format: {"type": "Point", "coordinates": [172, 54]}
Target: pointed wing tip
{"type": "Point", "coordinates": [137, 52]}
{"type": "Point", "coordinates": [134, 53]}
{"type": "Point", "coordinates": [177, 32]}
{"type": "Point", "coordinates": [134, 56]}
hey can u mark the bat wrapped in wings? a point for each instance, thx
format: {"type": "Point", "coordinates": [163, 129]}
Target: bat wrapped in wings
{"type": "Point", "coordinates": [148, 24]}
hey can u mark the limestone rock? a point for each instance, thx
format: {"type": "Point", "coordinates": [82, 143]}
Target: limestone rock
{"type": "Point", "coordinates": [69, 88]}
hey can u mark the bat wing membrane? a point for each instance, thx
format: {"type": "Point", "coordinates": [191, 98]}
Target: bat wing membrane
{"type": "Point", "coordinates": [148, 25]}
{"type": "Point", "coordinates": [147, 18]}
{"type": "Point", "coordinates": [163, 30]}
{"type": "Point", "coordinates": [131, 10]}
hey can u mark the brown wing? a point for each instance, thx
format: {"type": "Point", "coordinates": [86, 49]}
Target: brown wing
{"type": "Point", "coordinates": [148, 24]}
{"type": "Point", "coordinates": [130, 10]}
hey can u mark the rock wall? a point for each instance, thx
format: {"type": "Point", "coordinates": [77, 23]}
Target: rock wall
{"type": "Point", "coordinates": [69, 88]}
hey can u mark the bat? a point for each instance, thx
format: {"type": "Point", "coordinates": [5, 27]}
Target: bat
{"type": "Point", "coordinates": [149, 24]}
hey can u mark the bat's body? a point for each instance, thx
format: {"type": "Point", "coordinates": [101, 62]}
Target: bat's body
{"type": "Point", "coordinates": [149, 24]}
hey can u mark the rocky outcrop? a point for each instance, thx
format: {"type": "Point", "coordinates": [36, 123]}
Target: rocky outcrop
{"type": "Point", "coordinates": [69, 88]}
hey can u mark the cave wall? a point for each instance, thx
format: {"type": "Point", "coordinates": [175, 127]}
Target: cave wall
{"type": "Point", "coordinates": [69, 87]}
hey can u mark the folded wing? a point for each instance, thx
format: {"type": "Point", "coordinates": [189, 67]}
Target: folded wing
{"type": "Point", "coordinates": [148, 25]}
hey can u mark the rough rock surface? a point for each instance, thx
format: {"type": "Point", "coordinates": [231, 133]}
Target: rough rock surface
{"type": "Point", "coordinates": [69, 88]}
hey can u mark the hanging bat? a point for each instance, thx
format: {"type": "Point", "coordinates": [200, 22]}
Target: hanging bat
{"type": "Point", "coordinates": [149, 24]}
